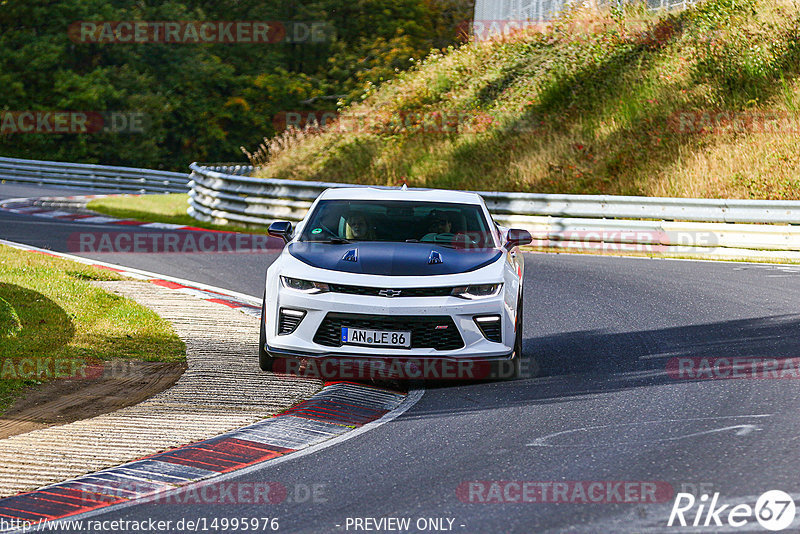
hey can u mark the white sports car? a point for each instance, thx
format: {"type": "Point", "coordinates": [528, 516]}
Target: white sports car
{"type": "Point", "coordinates": [412, 275]}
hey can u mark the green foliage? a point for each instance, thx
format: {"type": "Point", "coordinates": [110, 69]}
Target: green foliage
{"type": "Point", "coordinates": [740, 54]}
{"type": "Point", "coordinates": [202, 101]}
{"type": "Point", "coordinates": [586, 105]}
{"type": "Point", "coordinates": [10, 325]}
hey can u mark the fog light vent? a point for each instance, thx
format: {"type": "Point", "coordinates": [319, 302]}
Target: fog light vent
{"type": "Point", "coordinates": [289, 320]}
{"type": "Point", "coordinates": [490, 326]}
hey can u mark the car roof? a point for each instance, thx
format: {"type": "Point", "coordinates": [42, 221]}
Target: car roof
{"type": "Point", "coordinates": [395, 193]}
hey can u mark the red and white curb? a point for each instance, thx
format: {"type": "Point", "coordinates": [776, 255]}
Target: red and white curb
{"type": "Point", "coordinates": [339, 411]}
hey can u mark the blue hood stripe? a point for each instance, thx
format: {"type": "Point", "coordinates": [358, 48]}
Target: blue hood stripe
{"type": "Point", "coordinates": [392, 259]}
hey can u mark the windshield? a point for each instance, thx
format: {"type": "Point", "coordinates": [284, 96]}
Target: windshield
{"type": "Point", "coordinates": [401, 221]}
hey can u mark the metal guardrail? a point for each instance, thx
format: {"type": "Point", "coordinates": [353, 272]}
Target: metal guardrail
{"type": "Point", "coordinates": [235, 195]}
{"type": "Point", "coordinates": [228, 194]}
{"type": "Point", "coordinates": [125, 179]}
{"type": "Point", "coordinates": [626, 207]}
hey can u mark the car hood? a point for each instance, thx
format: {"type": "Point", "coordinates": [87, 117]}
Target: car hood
{"type": "Point", "coordinates": [392, 259]}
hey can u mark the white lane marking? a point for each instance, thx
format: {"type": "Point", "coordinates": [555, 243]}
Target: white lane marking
{"type": "Point", "coordinates": [413, 397]}
{"type": "Point", "coordinates": [165, 226]}
{"type": "Point", "coordinates": [56, 214]}
{"type": "Point", "coordinates": [98, 220]}
{"type": "Point", "coordinates": [743, 430]}
{"type": "Point", "coordinates": [777, 267]}
{"type": "Point", "coordinates": [5, 201]}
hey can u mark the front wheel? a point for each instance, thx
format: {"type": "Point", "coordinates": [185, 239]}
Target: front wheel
{"type": "Point", "coordinates": [516, 360]}
{"type": "Point", "coordinates": [532, 366]}
{"type": "Point", "coordinates": [265, 361]}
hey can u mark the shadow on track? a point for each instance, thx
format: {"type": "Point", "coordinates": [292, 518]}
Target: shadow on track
{"type": "Point", "coordinates": [594, 362]}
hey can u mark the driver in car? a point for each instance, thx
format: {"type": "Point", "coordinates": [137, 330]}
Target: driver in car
{"type": "Point", "coordinates": [358, 228]}
{"type": "Point", "coordinates": [439, 224]}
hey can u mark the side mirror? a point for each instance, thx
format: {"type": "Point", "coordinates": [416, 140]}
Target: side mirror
{"type": "Point", "coordinates": [517, 238]}
{"type": "Point", "coordinates": [282, 229]}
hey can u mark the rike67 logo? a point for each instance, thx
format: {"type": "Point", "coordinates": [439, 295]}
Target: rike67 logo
{"type": "Point", "coordinates": [774, 510]}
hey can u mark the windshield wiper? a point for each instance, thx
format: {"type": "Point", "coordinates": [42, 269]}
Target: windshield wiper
{"type": "Point", "coordinates": [332, 240]}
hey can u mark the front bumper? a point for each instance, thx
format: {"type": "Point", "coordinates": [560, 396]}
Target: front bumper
{"type": "Point", "coordinates": [377, 354]}
{"type": "Point", "coordinates": [318, 306]}
{"type": "Point", "coordinates": [346, 366]}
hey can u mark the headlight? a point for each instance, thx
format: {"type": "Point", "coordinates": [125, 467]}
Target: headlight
{"type": "Point", "coordinates": [477, 291]}
{"type": "Point", "coordinates": [304, 286]}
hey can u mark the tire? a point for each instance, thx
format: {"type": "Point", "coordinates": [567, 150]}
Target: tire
{"type": "Point", "coordinates": [532, 369]}
{"type": "Point", "coordinates": [516, 359]}
{"type": "Point", "coordinates": [265, 361]}
{"type": "Point", "coordinates": [532, 366]}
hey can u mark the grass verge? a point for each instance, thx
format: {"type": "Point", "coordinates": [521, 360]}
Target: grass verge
{"type": "Point", "coordinates": [169, 208]}
{"type": "Point", "coordinates": [50, 314]}
{"type": "Point", "coordinates": [702, 103]}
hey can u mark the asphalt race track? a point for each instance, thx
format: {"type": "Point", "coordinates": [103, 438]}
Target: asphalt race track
{"type": "Point", "coordinates": [605, 331]}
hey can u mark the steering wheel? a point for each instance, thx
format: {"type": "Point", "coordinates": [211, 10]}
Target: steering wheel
{"type": "Point", "coordinates": [444, 237]}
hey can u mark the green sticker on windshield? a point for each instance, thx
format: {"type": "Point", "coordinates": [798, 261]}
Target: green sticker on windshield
{"type": "Point", "coordinates": [316, 231]}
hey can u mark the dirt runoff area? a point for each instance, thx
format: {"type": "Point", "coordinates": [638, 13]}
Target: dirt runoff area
{"type": "Point", "coordinates": [62, 401]}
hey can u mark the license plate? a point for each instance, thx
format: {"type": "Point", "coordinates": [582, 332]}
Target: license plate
{"type": "Point", "coordinates": [376, 338]}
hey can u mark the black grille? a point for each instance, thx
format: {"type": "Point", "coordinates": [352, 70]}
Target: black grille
{"type": "Point", "coordinates": [288, 323]}
{"type": "Point", "coordinates": [405, 292]}
{"type": "Point", "coordinates": [491, 329]}
{"type": "Point", "coordinates": [424, 331]}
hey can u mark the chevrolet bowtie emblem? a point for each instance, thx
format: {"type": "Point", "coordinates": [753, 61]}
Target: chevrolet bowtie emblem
{"type": "Point", "coordinates": [435, 257]}
{"type": "Point", "coordinates": [389, 293]}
